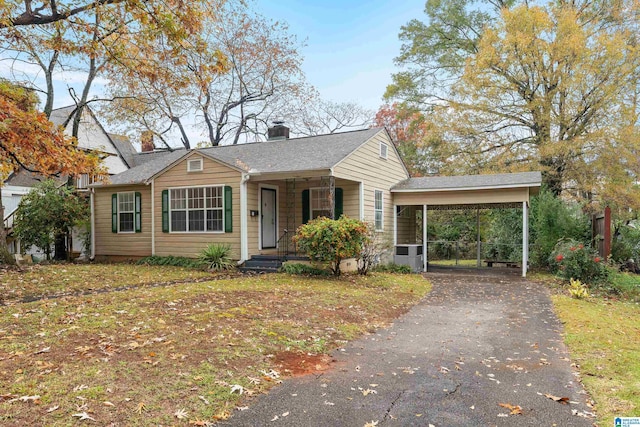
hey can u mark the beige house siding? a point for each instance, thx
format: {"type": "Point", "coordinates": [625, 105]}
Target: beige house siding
{"type": "Point", "coordinates": [112, 244]}
{"type": "Point", "coordinates": [190, 244]}
{"type": "Point", "coordinates": [365, 165]}
{"type": "Point", "coordinates": [463, 197]}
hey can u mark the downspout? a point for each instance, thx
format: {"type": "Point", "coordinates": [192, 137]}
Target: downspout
{"type": "Point", "coordinates": [92, 254]}
{"type": "Point", "coordinates": [244, 233]}
{"type": "Point", "coordinates": [153, 217]}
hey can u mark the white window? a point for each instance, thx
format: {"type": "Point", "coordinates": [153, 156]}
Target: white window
{"type": "Point", "coordinates": [384, 148]}
{"type": "Point", "coordinates": [378, 210]}
{"type": "Point", "coordinates": [196, 209]}
{"type": "Point", "coordinates": [320, 203]}
{"type": "Point", "coordinates": [126, 212]}
{"type": "Point", "coordinates": [194, 165]}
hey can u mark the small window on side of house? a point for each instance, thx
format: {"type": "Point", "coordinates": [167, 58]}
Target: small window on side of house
{"type": "Point", "coordinates": [384, 148]}
{"type": "Point", "coordinates": [194, 165]}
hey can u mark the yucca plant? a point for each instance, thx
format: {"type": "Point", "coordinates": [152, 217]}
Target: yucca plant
{"type": "Point", "coordinates": [578, 290]}
{"type": "Point", "coordinates": [217, 256]}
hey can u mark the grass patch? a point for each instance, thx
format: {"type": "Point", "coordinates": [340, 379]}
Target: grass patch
{"type": "Point", "coordinates": [604, 339]}
{"type": "Point", "coordinates": [37, 281]}
{"type": "Point", "coordinates": [137, 356]}
{"type": "Point", "coordinates": [626, 285]}
{"type": "Point", "coordinates": [452, 262]}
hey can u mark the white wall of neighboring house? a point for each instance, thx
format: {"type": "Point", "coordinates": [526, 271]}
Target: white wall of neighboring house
{"type": "Point", "coordinates": [91, 136]}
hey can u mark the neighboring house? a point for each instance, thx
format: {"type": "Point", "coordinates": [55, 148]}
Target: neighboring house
{"type": "Point", "coordinates": [117, 152]}
{"type": "Point", "coordinates": [254, 196]}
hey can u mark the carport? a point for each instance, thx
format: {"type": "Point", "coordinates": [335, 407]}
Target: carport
{"type": "Point", "coordinates": [510, 190]}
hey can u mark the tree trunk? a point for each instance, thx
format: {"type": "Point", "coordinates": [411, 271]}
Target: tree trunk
{"type": "Point", "coordinates": [60, 253]}
{"type": "Point", "coordinates": [5, 256]}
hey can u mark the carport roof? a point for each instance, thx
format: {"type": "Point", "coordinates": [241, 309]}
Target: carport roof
{"type": "Point", "coordinates": [470, 182]}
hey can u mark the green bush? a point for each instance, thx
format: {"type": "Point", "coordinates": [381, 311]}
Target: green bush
{"type": "Point", "coordinates": [392, 268]}
{"type": "Point", "coordinates": [332, 240]}
{"type": "Point", "coordinates": [174, 261]}
{"type": "Point", "coordinates": [217, 256]}
{"type": "Point", "coordinates": [553, 219]}
{"type": "Point", "coordinates": [573, 260]}
{"type": "Point", "coordinates": [626, 243]}
{"type": "Point", "coordinates": [303, 269]}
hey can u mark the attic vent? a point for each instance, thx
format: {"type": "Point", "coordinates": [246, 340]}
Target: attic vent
{"type": "Point", "coordinates": [194, 165]}
{"type": "Point", "coordinates": [384, 148]}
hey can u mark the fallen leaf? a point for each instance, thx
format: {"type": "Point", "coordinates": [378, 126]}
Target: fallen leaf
{"type": "Point", "coordinates": [180, 414]}
{"type": "Point", "coordinates": [515, 409]}
{"type": "Point", "coordinates": [107, 403]}
{"type": "Point", "coordinates": [53, 408]}
{"type": "Point", "coordinates": [44, 350]}
{"type": "Point", "coordinates": [83, 416]}
{"type": "Point", "coordinates": [371, 424]}
{"type": "Point", "coordinates": [275, 418]}
{"type": "Point", "coordinates": [237, 388]}
{"type": "Point", "coordinates": [563, 400]}
{"type": "Point", "coordinates": [141, 407]}
{"type": "Point", "coordinates": [285, 414]}
{"type": "Point", "coordinates": [368, 392]}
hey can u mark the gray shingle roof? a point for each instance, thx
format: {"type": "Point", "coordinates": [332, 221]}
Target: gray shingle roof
{"type": "Point", "coordinates": [124, 146]}
{"type": "Point", "coordinates": [60, 115]}
{"type": "Point", "coordinates": [435, 183]}
{"type": "Point", "coordinates": [290, 155]}
{"type": "Point", "coordinates": [148, 164]}
{"type": "Point", "coordinates": [286, 155]}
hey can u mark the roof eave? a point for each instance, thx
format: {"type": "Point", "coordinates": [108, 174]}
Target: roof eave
{"type": "Point", "coordinates": [475, 188]}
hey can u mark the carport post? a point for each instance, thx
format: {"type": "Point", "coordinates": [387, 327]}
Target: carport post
{"type": "Point", "coordinates": [424, 238]}
{"type": "Point", "coordinates": [525, 238]}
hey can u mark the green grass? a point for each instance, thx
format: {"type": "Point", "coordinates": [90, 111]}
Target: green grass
{"type": "Point", "coordinates": [604, 339]}
{"type": "Point", "coordinates": [54, 279]}
{"type": "Point", "coordinates": [452, 262]}
{"type": "Point", "coordinates": [626, 285]}
{"type": "Point", "coordinates": [135, 357]}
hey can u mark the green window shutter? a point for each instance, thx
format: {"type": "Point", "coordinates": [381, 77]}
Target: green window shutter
{"type": "Point", "coordinates": [165, 211]}
{"type": "Point", "coordinates": [338, 209]}
{"type": "Point", "coordinates": [228, 210]}
{"type": "Point", "coordinates": [306, 214]}
{"type": "Point", "coordinates": [138, 214]}
{"type": "Point", "coordinates": [114, 213]}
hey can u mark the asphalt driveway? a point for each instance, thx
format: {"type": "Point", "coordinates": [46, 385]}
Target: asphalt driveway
{"type": "Point", "coordinates": [477, 351]}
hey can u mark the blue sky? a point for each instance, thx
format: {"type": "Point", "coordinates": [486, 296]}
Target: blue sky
{"type": "Point", "coordinates": [350, 44]}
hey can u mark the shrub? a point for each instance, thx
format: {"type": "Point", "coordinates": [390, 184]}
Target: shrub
{"type": "Point", "coordinates": [573, 260]}
{"type": "Point", "coordinates": [174, 261]}
{"type": "Point", "coordinates": [577, 290]}
{"type": "Point", "coordinates": [217, 256]}
{"type": "Point", "coordinates": [393, 268]}
{"type": "Point", "coordinates": [553, 219]}
{"type": "Point", "coordinates": [303, 269]}
{"type": "Point", "coordinates": [332, 240]}
{"type": "Point", "coordinates": [373, 247]}
{"type": "Point", "coordinates": [626, 243]}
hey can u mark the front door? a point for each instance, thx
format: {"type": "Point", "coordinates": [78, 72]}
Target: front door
{"type": "Point", "coordinates": [268, 215]}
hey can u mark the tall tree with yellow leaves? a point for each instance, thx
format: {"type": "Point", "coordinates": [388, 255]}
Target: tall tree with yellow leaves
{"type": "Point", "coordinates": [532, 85]}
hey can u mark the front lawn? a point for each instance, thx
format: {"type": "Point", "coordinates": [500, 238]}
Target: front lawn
{"type": "Point", "coordinates": [604, 339]}
{"type": "Point", "coordinates": [36, 281]}
{"type": "Point", "coordinates": [176, 354]}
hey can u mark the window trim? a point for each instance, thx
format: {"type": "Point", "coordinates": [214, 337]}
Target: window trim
{"type": "Point", "coordinates": [195, 159]}
{"type": "Point", "coordinates": [376, 210]}
{"type": "Point", "coordinates": [133, 212]}
{"type": "Point", "coordinates": [386, 150]}
{"type": "Point", "coordinates": [311, 190]}
{"type": "Point", "coordinates": [204, 187]}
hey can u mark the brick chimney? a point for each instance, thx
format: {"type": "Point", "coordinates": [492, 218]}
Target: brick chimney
{"type": "Point", "coordinates": [146, 140]}
{"type": "Point", "coordinates": [278, 131]}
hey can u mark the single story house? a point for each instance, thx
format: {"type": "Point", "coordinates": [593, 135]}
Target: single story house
{"type": "Point", "coordinates": [253, 196]}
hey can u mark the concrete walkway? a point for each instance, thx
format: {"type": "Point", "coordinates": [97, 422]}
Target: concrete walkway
{"type": "Point", "coordinates": [473, 343]}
